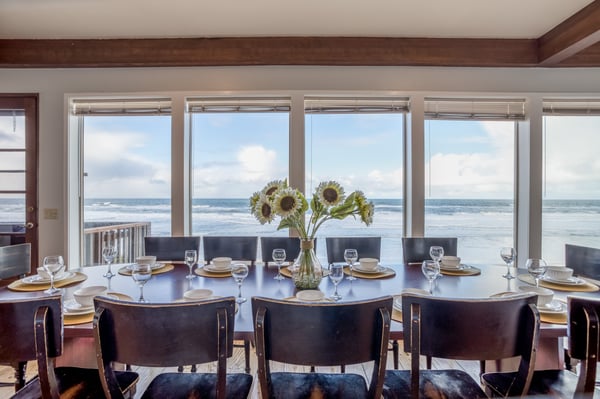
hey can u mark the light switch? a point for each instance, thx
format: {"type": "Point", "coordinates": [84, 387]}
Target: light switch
{"type": "Point", "coordinates": [51, 213]}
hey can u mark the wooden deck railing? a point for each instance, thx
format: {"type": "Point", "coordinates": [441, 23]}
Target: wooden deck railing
{"type": "Point", "coordinates": [129, 237]}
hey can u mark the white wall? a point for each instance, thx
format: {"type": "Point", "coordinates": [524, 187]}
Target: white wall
{"type": "Point", "coordinates": [55, 85]}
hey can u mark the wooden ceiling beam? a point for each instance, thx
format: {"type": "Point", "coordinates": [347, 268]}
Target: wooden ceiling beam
{"type": "Point", "coordinates": [570, 37]}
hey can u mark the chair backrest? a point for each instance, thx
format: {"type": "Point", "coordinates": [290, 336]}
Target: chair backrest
{"type": "Point", "coordinates": [472, 329]}
{"type": "Point", "coordinates": [162, 335]}
{"type": "Point", "coordinates": [416, 249]}
{"type": "Point", "coordinates": [367, 247]}
{"type": "Point", "coordinates": [32, 330]}
{"type": "Point", "coordinates": [584, 261]}
{"type": "Point", "coordinates": [290, 244]}
{"type": "Point", "coordinates": [242, 248]}
{"type": "Point", "coordinates": [584, 339]}
{"type": "Point", "coordinates": [15, 260]}
{"type": "Point", "coordinates": [170, 248]}
{"type": "Point", "coordinates": [321, 334]}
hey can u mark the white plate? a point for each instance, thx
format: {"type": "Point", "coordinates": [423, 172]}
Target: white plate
{"type": "Point", "coordinates": [197, 294]}
{"type": "Point", "coordinates": [462, 266]}
{"type": "Point", "coordinates": [310, 295]}
{"type": "Point", "coordinates": [398, 304]}
{"type": "Point", "coordinates": [569, 281]}
{"type": "Point", "coordinates": [378, 269]}
{"type": "Point", "coordinates": [555, 306]}
{"type": "Point", "coordinates": [72, 308]}
{"type": "Point", "coordinates": [211, 268]}
{"type": "Point", "coordinates": [155, 266]}
{"type": "Point", "coordinates": [37, 279]}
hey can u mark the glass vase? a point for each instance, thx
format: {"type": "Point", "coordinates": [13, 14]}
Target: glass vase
{"type": "Point", "coordinates": [307, 271]}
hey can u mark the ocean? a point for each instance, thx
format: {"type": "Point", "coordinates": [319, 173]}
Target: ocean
{"type": "Point", "coordinates": [482, 226]}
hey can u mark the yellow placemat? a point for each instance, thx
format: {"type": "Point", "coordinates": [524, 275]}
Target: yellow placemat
{"type": "Point", "coordinates": [205, 273]}
{"type": "Point", "coordinates": [387, 273]}
{"type": "Point", "coordinates": [19, 285]}
{"type": "Point", "coordinates": [396, 315]}
{"type": "Point", "coordinates": [71, 320]}
{"type": "Point", "coordinates": [285, 272]}
{"type": "Point", "coordinates": [166, 268]}
{"type": "Point", "coordinates": [587, 287]}
{"type": "Point", "coordinates": [467, 271]}
{"type": "Point", "coordinates": [554, 318]}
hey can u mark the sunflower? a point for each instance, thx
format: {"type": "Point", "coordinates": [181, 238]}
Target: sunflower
{"type": "Point", "coordinates": [287, 202]}
{"type": "Point", "coordinates": [263, 210]}
{"type": "Point", "coordinates": [254, 200]}
{"type": "Point", "coordinates": [367, 210]}
{"type": "Point", "coordinates": [330, 193]}
{"type": "Point", "coordinates": [273, 186]}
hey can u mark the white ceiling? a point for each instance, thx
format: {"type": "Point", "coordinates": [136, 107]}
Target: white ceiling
{"type": "Point", "coordinates": [69, 19]}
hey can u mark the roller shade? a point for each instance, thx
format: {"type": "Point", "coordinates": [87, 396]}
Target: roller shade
{"type": "Point", "coordinates": [475, 109]}
{"type": "Point", "coordinates": [116, 107]}
{"type": "Point", "coordinates": [237, 104]}
{"type": "Point", "coordinates": [343, 105]}
{"type": "Point", "coordinates": [573, 107]}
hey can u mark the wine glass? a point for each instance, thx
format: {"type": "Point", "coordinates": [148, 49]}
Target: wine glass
{"type": "Point", "coordinates": [430, 269]}
{"type": "Point", "coordinates": [239, 271]}
{"type": "Point", "coordinates": [109, 252]}
{"type": "Point", "coordinates": [537, 268]}
{"type": "Point", "coordinates": [508, 255]}
{"type": "Point", "coordinates": [351, 256]}
{"type": "Point", "coordinates": [141, 273]}
{"type": "Point", "coordinates": [437, 253]}
{"type": "Point", "coordinates": [336, 274]}
{"type": "Point", "coordinates": [53, 264]}
{"type": "Point", "coordinates": [278, 256]}
{"type": "Point", "coordinates": [191, 257]}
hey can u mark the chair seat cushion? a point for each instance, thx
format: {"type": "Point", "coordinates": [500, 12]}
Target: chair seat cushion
{"type": "Point", "coordinates": [196, 385]}
{"type": "Point", "coordinates": [318, 385]}
{"type": "Point", "coordinates": [447, 384]}
{"type": "Point", "coordinates": [554, 383]}
{"type": "Point", "coordinates": [74, 382]}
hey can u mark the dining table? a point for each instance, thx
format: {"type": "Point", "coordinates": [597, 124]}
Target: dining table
{"type": "Point", "coordinates": [169, 283]}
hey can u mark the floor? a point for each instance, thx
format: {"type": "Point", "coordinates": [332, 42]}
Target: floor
{"type": "Point", "coordinates": [236, 364]}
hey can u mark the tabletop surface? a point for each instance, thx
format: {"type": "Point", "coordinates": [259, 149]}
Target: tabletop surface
{"type": "Point", "coordinates": [170, 286]}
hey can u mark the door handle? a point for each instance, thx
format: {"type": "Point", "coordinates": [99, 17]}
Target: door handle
{"type": "Point", "coordinates": [29, 225]}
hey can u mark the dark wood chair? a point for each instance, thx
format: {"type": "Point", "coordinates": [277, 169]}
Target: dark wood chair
{"type": "Point", "coordinates": [367, 247]}
{"type": "Point", "coordinates": [321, 334]}
{"type": "Point", "coordinates": [167, 335]}
{"type": "Point", "coordinates": [170, 248]}
{"type": "Point", "coordinates": [585, 261]}
{"type": "Point", "coordinates": [15, 260]}
{"type": "Point", "coordinates": [416, 249]}
{"type": "Point", "coordinates": [243, 248]}
{"type": "Point", "coordinates": [584, 339]}
{"type": "Point", "coordinates": [290, 244]}
{"type": "Point", "coordinates": [464, 329]}
{"type": "Point", "coordinates": [32, 330]}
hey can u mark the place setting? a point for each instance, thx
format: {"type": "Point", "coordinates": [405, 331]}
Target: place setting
{"type": "Point", "coordinates": [310, 296]}
{"type": "Point", "coordinates": [452, 266]}
{"type": "Point", "coordinates": [367, 268]}
{"type": "Point", "coordinates": [49, 278]}
{"type": "Point", "coordinates": [80, 308]}
{"type": "Point", "coordinates": [397, 304]}
{"type": "Point", "coordinates": [558, 278]}
{"type": "Point", "coordinates": [219, 267]}
{"type": "Point", "coordinates": [155, 267]}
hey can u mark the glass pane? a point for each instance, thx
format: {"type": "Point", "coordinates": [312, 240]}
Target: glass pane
{"type": "Point", "coordinates": [469, 186]}
{"type": "Point", "coordinates": [361, 152]}
{"type": "Point", "coordinates": [571, 206]}
{"type": "Point", "coordinates": [235, 155]}
{"type": "Point", "coordinates": [12, 216]}
{"type": "Point", "coordinates": [127, 174]}
{"type": "Point", "coordinates": [12, 161]}
{"type": "Point", "coordinates": [12, 131]}
{"type": "Point", "coordinates": [12, 181]}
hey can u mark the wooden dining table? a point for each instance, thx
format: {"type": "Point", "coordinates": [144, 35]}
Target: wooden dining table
{"type": "Point", "coordinates": [169, 285]}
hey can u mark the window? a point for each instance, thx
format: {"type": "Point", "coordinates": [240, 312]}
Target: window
{"type": "Point", "coordinates": [469, 174]}
{"type": "Point", "coordinates": [358, 143]}
{"type": "Point", "coordinates": [571, 190]}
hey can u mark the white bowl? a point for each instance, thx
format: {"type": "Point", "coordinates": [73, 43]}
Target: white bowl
{"type": "Point", "coordinates": [197, 294]}
{"type": "Point", "coordinates": [559, 272]}
{"type": "Point", "coordinates": [222, 262]}
{"type": "Point", "coordinates": [450, 261]}
{"type": "Point", "coordinates": [368, 263]}
{"type": "Point", "coordinates": [146, 260]}
{"type": "Point", "coordinates": [85, 296]}
{"type": "Point", "coordinates": [544, 294]}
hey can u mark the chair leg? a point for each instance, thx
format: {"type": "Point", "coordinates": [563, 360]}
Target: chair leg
{"type": "Point", "coordinates": [343, 368]}
{"type": "Point", "coordinates": [247, 355]}
{"type": "Point", "coordinates": [20, 369]}
{"type": "Point", "coordinates": [395, 353]}
{"type": "Point", "coordinates": [428, 360]}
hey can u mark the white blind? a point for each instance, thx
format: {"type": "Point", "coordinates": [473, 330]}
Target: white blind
{"type": "Point", "coordinates": [475, 108]}
{"type": "Point", "coordinates": [238, 104]}
{"type": "Point", "coordinates": [127, 106]}
{"type": "Point", "coordinates": [571, 106]}
{"type": "Point", "coordinates": [341, 105]}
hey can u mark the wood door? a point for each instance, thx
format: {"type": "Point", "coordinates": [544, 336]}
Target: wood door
{"type": "Point", "coordinates": [18, 170]}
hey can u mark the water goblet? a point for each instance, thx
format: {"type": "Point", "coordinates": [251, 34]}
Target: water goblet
{"type": "Point", "coordinates": [351, 256]}
{"type": "Point", "coordinates": [278, 256]}
{"type": "Point", "coordinates": [430, 269]}
{"type": "Point", "coordinates": [336, 274]}
{"type": "Point", "coordinates": [141, 273]}
{"type": "Point", "coordinates": [537, 268]}
{"type": "Point", "coordinates": [53, 264]}
{"type": "Point", "coordinates": [109, 252]}
{"type": "Point", "coordinates": [508, 255]}
{"type": "Point", "coordinates": [191, 257]}
{"type": "Point", "coordinates": [437, 253]}
{"type": "Point", "coordinates": [239, 271]}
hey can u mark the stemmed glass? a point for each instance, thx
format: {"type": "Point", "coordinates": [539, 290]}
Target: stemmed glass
{"type": "Point", "coordinates": [109, 252]}
{"type": "Point", "coordinates": [351, 256]}
{"type": "Point", "coordinates": [537, 268]}
{"type": "Point", "coordinates": [191, 257]}
{"type": "Point", "coordinates": [437, 253]}
{"type": "Point", "coordinates": [336, 274]}
{"type": "Point", "coordinates": [430, 269]}
{"type": "Point", "coordinates": [278, 256]}
{"type": "Point", "coordinates": [53, 264]}
{"type": "Point", "coordinates": [508, 255]}
{"type": "Point", "coordinates": [141, 273]}
{"type": "Point", "coordinates": [239, 271]}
